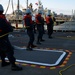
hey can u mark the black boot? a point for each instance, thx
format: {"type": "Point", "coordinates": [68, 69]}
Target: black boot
{"type": "Point", "coordinates": [42, 40]}
{"type": "Point", "coordinates": [29, 49]}
{"type": "Point", "coordinates": [33, 46]}
{"type": "Point", "coordinates": [3, 64]}
{"type": "Point", "coordinates": [38, 41]}
{"type": "Point", "coordinates": [50, 37]}
{"type": "Point", "coordinates": [16, 68]}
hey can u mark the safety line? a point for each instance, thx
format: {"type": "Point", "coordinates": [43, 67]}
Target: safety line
{"type": "Point", "coordinates": [60, 72]}
{"type": "Point", "coordinates": [4, 35]}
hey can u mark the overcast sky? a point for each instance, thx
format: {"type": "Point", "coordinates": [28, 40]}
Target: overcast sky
{"type": "Point", "coordinates": [59, 6]}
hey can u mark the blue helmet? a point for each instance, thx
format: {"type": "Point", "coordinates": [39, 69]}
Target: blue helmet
{"type": "Point", "coordinates": [49, 14]}
{"type": "Point", "coordinates": [39, 11]}
{"type": "Point", "coordinates": [1, 8]}
{"type": "Point", "coordinates": [28, 11]}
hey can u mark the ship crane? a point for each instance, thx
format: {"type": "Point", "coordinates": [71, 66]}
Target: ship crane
{"type": "Point", "coordinates": [16, 12]}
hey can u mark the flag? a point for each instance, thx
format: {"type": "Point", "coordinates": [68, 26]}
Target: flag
{"type": "Point", "coordinates": [36, 3]}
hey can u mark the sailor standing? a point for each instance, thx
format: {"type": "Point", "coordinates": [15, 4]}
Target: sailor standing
{"type": "Point", "coordinates": [39, 26]}
{"type": "Point", "coordinates": [6, 48]}
{"type": "Point", "coordinates": [29, 26]}
{"type": "Point", "coordinates": [49, 22]}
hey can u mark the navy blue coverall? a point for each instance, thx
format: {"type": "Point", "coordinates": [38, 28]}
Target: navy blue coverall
{"type": "Point", "coordinates": [29, 26]}
{"type": "Point", "coordinates": [6, 48]}
{"type": "Point", "coordinates": [39, 27]}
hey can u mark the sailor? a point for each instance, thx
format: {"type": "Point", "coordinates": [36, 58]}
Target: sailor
{"type": "Point", "coordinates": [49, 22]}
{"type": "Point", "coordinates": [29, 26]}
{"type": "Point", "coordinates": [39, 26]}
{"type": "Point", "coordinates": [6, 49]}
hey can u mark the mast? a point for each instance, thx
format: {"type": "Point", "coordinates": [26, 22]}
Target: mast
{"type": "Point", "coordinates": [17, 14]}
{"type": "Point", "coordinates": [39, 4]}
{"type": "Point", "coordinates": [27, 3]}
{"type": "Point", "coordinates": [18, 6]}
{"type": "Point", "coordinates": [12, 6]}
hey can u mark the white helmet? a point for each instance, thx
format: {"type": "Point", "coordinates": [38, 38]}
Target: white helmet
{"type": "Point", "coordinates": [1, 8]}
{"type": "Point", "coordinates": [39, 11]}
{"type": "Point", "coordinates": [28, 11]}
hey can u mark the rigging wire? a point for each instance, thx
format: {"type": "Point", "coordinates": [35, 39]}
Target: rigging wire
{"type": "Point", "coordinates": [7, 7]}
{"type": "Point", "coordinates": [12, 6]}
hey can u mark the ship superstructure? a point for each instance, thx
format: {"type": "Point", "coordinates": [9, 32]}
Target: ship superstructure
{"type": "Point", "coordinates": [17, 15]}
